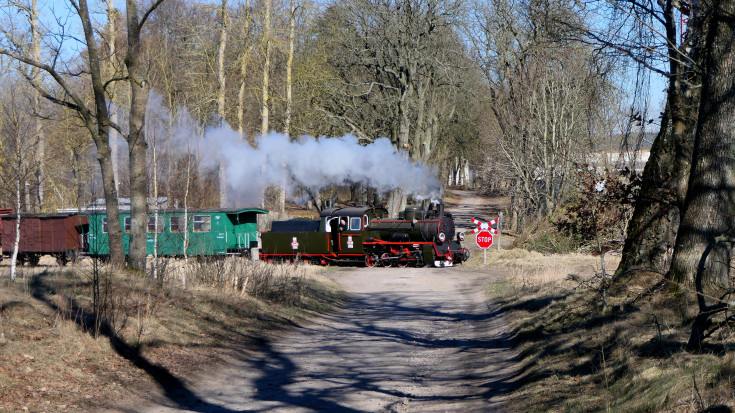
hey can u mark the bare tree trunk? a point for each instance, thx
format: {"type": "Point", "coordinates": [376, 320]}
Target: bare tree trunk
{"type": "Point", "coordinates": [243, 74]}
{"type": "Point", "coordinates": [396, 202]}
{"type": "Point", "coordinates": [289, 68]}
{"type": "Point", "coordinates": [289, 102]}
{"type": "Point", "coordinates": [221, 61]}
{"type": "Point", "coordinates": [136, 142]}
{"type": "Point", "coordinates": [101, 138]}
{"type": "Point", "coordinates": [16, 242]}
{"type": "Point", "coordinates": [653, 227]}
{"type": "Point", "coordinates": [221, 95]}
{"type": "Point", "coordinates": [113, 141]}
{"type": "Point", "coordinates": [155, 208]}
{"type": "Point", "coordinates": [186, 213]}
{"type": "Point", "coordinates": [266, 67]}
{"type": "Point", "coordinates": [35, 78]}
{"type": "Point", "coordinates": [710, 210]}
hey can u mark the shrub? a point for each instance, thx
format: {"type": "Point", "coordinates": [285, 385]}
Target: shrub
{"type": "Point", "coordinates": [602, 207]}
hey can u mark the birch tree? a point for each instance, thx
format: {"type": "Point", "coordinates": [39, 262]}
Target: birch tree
{"type": "Point", "coordinates": [16, 140]}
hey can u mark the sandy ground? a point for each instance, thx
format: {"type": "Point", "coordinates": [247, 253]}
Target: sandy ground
{"type": "Point", "coordinates": [408, 340]}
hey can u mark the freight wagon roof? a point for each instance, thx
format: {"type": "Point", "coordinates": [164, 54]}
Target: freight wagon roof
{"type": "Point", "coordinates": [42, 216]}
{"type": "Point", "coordinates": [350, 211]}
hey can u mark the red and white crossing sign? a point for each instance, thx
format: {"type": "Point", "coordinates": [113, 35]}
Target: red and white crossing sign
{"type": "Point", "coordinates": [484, 226]}
{"type": "Point", "coordinates": [484, 239]}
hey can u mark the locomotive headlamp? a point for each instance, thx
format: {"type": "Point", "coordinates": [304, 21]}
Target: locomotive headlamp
{"type": "Point", "coordinates": [442, 237]}
{"type": "Point", "coordinates": [460, 236]}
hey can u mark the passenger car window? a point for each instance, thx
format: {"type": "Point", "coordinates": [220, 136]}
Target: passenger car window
{"type": "Point", "coordinates": [152, 224]}
{"type": "Point", "coordinates": [126, 224]}
{"type": "Point", "coordinates": [176, 223]}
{"type": "Point", "coordinates": [202, 223]}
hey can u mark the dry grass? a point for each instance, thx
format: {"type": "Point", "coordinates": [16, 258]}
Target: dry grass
{"type": "Point", "coordinates": [530, 268]}
{"type": "Point", "coordinates": [630, 358]}
{"type": "Point", "coordinates": [155, 331]}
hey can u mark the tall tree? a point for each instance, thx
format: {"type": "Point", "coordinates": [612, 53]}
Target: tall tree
{"type": "Point", "coordinates": [97, 120]}
{"type": "Point", "coordinates": [221, 93]}
{"type": "Point", "coordinates": [112, 72]}
{"type": "Point", "coordinates": [244, 60]}
{"type": "Point", "coordinates": [289, 68]}
{"type": "Point", "coordinates": [655, 221]}
{"type": "Point", "coordinates": [18, 145]}
{"type": "Point", "coordinates": [267, 44]}
{"type": "Point", "coordinates": [36, 79]}
{"type": "Point", "coordinates": [710, 199]}
{"type": "Point", "coordinates": [137, 144]}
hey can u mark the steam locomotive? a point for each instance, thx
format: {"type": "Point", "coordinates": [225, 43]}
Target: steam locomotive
{"type": "Point", "coordinates": [357, 235]}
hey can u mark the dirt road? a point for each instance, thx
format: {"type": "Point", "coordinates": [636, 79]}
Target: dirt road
{"type": "Point", "coordinates": [408, 340]}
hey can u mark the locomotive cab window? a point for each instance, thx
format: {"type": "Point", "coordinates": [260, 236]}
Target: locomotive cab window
{"type": "Point", "coordinates": [202, 223]}
{"type": "Point", "coordinates": [104, 225]}
{"type": "Point", "coordinates": [152, 224]}
{"type": "Point", "coordinates": [355, 224]}
{"type": "Point", "coordinates": [332, 224]}
{"type": "Point", "coordinates": [176, 223]}
{"type": "Point", "coordinates": [126, 224]}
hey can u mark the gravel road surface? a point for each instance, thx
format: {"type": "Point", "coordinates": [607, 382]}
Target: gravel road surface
{"type": "Point", "coordinates": [407, 340]}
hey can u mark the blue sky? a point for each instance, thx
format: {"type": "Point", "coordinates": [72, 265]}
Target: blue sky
{"type": "Point", "coordinates": [52, 10]}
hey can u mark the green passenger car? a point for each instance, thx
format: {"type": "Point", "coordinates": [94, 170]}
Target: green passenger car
{"type": "Point", "coordinates": [210, 232]}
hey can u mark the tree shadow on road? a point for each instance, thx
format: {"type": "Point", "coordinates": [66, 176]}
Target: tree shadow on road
{"type": "Point", "coordinates": [379, 327]}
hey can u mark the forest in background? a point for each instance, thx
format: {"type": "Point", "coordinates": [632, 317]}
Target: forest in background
{"type": "Point", "coordinates": [520, 93]}
{"type": "Point", "coordinates": [501, 94]}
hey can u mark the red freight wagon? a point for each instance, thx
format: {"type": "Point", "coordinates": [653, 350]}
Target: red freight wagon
{"type": "Point", "coordinates": [3, 211]}
{"type": "Point", "coordinates": [60, 235]}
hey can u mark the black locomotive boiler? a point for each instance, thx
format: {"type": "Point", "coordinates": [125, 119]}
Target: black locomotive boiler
{"type": "Point", "coordinates": [417, 237]}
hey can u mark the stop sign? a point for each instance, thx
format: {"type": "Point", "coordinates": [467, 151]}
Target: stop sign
{"type": "Point", "coordinates": [484, 239]}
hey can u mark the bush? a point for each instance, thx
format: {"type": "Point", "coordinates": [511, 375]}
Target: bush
{"type": "Point", "coordinates": [283, 284]}
{"type": "Point", "coordinates": [602, 208]}
{"type": "Point", "coordinates": [546, 239]}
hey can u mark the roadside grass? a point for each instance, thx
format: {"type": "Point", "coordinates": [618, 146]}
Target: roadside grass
{"type": "Point", "coordinates": [154, 332]}
{"type": "Point", "coordinates": [575, 357]}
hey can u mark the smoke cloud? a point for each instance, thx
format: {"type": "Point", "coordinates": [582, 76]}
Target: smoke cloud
{"type": "Point", "coordinates": [305, 161]}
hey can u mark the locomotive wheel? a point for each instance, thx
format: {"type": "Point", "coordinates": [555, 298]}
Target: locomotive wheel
{"type": "Point", "coordinates": [419, 260]}
{"type": "Point", "coordinates": [371, 260]}
{"type": "Point", "coordinates": [385, 260]}
{"type": "Point", "coordinates": [402, 263]}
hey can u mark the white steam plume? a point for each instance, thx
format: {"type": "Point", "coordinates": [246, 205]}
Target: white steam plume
{"type": "Point", "coordinates": [306, 161]}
